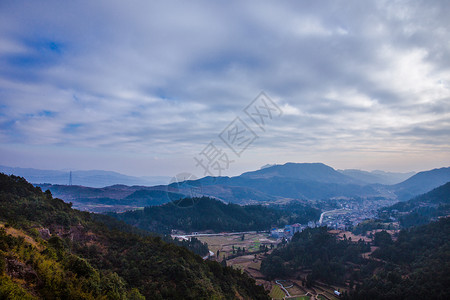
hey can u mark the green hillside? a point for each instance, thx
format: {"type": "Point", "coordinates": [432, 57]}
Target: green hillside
{"type": "Point", "coordinates": [415, 265]}
{"type": "Point", "coordinates": [209, 214]}
{"type": "Point", "coordinates": [421, 182]}
{"type": "Point", "coordinates": [328, 258]}
{"type": "Point", "coordinates": [50, 251]}
{"type": "Point", "coordinates": [421, 209]}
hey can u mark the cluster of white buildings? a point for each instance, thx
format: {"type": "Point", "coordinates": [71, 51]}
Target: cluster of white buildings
{"type": "Point", "coordinates": [289, 230]}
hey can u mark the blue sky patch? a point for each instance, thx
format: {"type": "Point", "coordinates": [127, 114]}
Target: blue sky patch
{"type": "Point", "coordinates": [72, 128]}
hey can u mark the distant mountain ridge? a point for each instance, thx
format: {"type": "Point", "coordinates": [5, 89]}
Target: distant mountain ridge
{"type": "Point", "coordinates": [90, 178]}
{"type": "Point", "coordinates": [377, 177]}
{"type": "Point", "coordinates": [273, 183]}
{"type": "Point", "coordinates": [437, 196]}
{"type": "Point", "coordinates": [304, 171]}
{"type": "Point", "coordinates": [315, 181]}
{"type": "Point", "coordinates": [248, 190]}
{"type": "Point", "coordinates": [309, 181]}
{"type": "Point", "coordinates": [112, 198]}
{"type": "Point", "coordinates": [421, 183]}
{"type": "Point", "coordinates": [278, 182]}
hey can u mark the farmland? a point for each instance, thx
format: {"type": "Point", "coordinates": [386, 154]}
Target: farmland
{"type": "Point", "coordinates": [250, 263]}
{"type": "Point", "coordinates": [227, 242]}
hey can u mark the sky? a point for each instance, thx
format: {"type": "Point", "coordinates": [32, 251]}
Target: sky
{"type": "Point", "coordinates": [222, 87]}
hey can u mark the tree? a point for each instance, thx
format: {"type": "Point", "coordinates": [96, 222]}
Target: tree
{"type": "Point", "coordinates": [223, 262]}
{"type": "Point", "coordinates": [48, 194]}
{"type": "Point", "coordinates": [273, 267]}
{"type": "Point", "coordinates": [382, 238]}
{"type": "Point", "coordinates": [309, 281]}
{"type": "Point", "coordinates": [135, 295]}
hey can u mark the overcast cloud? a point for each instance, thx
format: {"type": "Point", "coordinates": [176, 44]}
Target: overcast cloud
{"type": "Point", "coordinates": [141, 87]}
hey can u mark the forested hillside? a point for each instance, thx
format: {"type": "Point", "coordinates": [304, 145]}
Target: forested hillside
{"type": "Point", "coordinates": [421, 183]}
{"type": "Point", "coordinates": [415, 266]}
{"type": "Point", "coordinates": [209, 214]}
{"type": "Point", "coordinates": [50, 251]}
{"type": "Point", "coordinates": [421, 209]}
{"type": "Point", "coordinates": [330, 260]}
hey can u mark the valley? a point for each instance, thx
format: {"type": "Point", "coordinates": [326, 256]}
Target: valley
{"type": "Point", "coordinates": [249, 261]}
{"type": "Point", "coordinates": [224, 150]}
{"type": "Point", "coordinates": [292, 248]}
{"type": "Point", "coordinates": [229, 247]}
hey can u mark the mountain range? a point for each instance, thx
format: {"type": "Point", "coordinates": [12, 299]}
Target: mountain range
{"type": "Point", "coordinates": [90, 178]}
{"type": "Point", "coordinates": [307, 181]}
{"type": "Point", "coordinates": [377, 176]}
{"type": "Point", "coordinates": [318, 181]}
{"type": "Point", "coordinates": [421, 183]}
{"type": "Point", "coordinates": [302, 171]}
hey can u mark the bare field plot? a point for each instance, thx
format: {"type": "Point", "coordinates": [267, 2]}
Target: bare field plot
{"type": "Point", "coordinates": [225, 242]}
{"type": "Point", "coordinates": [242, 261]}
{"type": "Point", "coordinates": [294, 290]}
{"type": "Point", "coordinates": [255, 265]}
{"type": "Point", "coordinates": [349, 234]}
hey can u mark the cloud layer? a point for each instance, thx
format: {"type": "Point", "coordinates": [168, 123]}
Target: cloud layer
{"type": "Point", "coordinates": [361, 84]}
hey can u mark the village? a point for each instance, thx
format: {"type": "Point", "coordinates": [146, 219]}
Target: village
{"type": "Point", "coordinates": [246, 250]}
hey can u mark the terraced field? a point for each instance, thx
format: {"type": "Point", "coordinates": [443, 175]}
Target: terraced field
{"type": "Point", "coordinates": [277, 292]}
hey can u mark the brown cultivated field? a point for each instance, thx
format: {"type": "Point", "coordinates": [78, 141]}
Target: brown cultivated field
{"type": "Point", "coordinates": [251, 265]}
{"type": "Point", "coordinates": [226, 241]}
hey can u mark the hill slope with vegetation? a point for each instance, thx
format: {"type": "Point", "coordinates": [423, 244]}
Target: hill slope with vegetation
{"type": "Point", "coordinates": [198, 214]}
{"type": "Point", "coordinates": [421, 209]}
{"type": "Point", "coordinates": [64, 253]}
{"type": "Point", "coordinates": [111, 198]}
{"type": "Point", "coordinates": [421, 183]}
{"type": "Point", "coordinates": [414, 266]}
{"type": "Point", "coordinates": [315, 249]}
